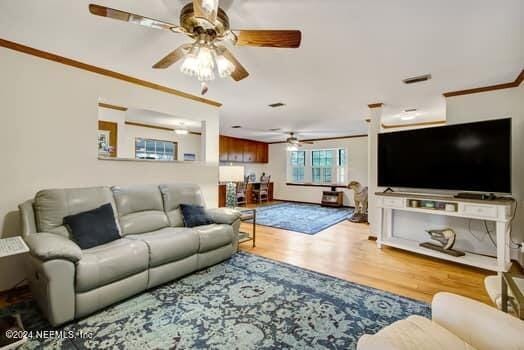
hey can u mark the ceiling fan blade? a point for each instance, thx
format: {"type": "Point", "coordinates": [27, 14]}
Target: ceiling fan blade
{"type": "Point", "coordinates": [173, 56]}
{"type": "Point", "coordinates": [269, 38]}
{"type": "Point", "coordinates": [207, 9]}
{"type": "Point", "coordinates": [240, 72]}
{"type": "Point", "coordinates": [133, 18]}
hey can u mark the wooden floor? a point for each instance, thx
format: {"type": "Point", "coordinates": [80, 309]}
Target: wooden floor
{"type": "Point", "coordinates": [344, 251]}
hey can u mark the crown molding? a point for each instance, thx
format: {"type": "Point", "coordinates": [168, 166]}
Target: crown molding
{"type": "Point", "coordinates": [324, 139]}
{"type": "Point", "coordinates": [391, 126]}
{"type": "Point", "coordinates": [513, 84]}
{"type": "Point", "coordinates": [110, 106]}
{"type": "Point", "coordinates": [102, 71]}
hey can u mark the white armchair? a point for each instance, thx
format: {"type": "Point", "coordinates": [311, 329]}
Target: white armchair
{"type": "Point", "coordinates": [457, 323]}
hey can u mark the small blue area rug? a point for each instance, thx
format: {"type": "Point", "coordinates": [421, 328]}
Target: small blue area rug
{"type": "Point", "coordinates": [303, 218]}
{"type": "Point", "coordinates": [246, 302]}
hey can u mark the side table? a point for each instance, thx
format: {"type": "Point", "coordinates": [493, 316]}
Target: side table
{"type": "Point", "coordinates": [248, 214]}
{"type": "Point", "coordinates": [509, 281]}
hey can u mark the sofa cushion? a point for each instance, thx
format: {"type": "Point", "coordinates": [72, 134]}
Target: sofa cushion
{"type": "Point", "coordinates": [169, 244]}
{"type": "Point", "coordinates": [110, 262]}
{"type": "Point", "coordinates": [413, 333]}
{"type": "Point", "coordinates": [51, 206]}
{"type": "Point", "coordinates": [175, 194]}
{"type": "Point", "coordinates": [93, 227]}
{"type": "Point", "coordinates": [214, 236]}
{"type": "Point", "coordinates": [195, 215]}
{"type": "Point", "coordinates": [140, 209]}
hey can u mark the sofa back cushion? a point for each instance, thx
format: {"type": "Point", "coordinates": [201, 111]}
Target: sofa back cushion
{"type": "Point", "coordinates": [140, 209]}
{"type": "Point", "coordinates": [175, 194]}
{"type": "Point", "coordinates": [51, 206]}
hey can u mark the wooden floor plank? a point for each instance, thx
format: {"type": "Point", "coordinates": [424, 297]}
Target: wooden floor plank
{"type": "Point", "coordinates": [344, 251]}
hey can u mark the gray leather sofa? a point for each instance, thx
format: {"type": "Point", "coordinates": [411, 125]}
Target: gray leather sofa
{"type": "Point", "coordinates": [155, 247]}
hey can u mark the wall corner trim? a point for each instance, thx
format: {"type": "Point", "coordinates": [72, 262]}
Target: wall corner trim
{"type": "Point", "coordinates": [102, 71]}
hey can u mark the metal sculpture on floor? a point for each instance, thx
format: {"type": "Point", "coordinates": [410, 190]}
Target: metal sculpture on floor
{"type": "Point", "coordinates": [446, 239]}
{"type": "Point", "coordinates": [361, 202]}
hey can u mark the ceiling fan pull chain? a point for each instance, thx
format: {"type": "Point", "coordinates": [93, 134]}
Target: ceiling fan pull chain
{"type": "Point", "coordinates": [203, 88]}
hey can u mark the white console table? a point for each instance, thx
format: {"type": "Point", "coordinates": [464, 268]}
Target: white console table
{"type": "Point", "coordinates": [499, 211]}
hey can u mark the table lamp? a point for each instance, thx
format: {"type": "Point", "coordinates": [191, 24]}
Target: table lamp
{"type": "Point", "coordinates": [230, 175]}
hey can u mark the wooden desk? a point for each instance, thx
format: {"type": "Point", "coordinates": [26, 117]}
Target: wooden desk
{"type": "Point", "coordinates": [249, 193]}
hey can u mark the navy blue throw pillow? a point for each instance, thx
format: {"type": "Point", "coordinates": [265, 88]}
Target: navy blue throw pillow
{"type": "Point", "coordinates": [94, 227]}
{"type": "Point", "coordinates": [195, 215]}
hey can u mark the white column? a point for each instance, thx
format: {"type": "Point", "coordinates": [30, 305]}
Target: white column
{"type": "Point", "coordinates": [209, 141]}
{"type": "Point", "coordinates": [373, 130]}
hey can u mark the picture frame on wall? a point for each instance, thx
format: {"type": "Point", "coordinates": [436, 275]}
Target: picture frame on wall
{"type": "Point", "coordinates": [104, 147]}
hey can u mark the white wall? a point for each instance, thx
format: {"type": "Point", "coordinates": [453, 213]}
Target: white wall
{"type": "Point", "coordinates": [493, 105]}
{"type": "Point", "coordinates": [127, 134]}
{"type": "Point", "coordinates": [48, 131]}
{"type": "Point", "coordinates": [471, 235]}
{"type": "Point", "coordinates": [357, 164]}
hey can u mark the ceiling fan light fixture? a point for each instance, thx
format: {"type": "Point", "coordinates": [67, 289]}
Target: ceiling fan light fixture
{"type": "Point", "coordinates": [199, 63]}
{"type": "Point", "coordinates": [190, 64]}
{"type": "Point", "coordinates": [224, 66]}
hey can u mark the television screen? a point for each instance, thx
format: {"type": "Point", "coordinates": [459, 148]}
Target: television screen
{"type": "Point", "coordinates": [464, 157]}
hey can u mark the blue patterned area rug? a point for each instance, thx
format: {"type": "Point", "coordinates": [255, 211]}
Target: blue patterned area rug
{"type": "Point", "coordinates": [303, 218]}
{"type": "Point", "coordinates": [247, 302]}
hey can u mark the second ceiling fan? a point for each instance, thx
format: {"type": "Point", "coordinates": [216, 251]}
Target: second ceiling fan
{"type": "Point", "coordinates": [208, 26]}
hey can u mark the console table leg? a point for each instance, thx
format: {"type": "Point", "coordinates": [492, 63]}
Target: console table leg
{"type": "Point", "coordinates": [503, 239]}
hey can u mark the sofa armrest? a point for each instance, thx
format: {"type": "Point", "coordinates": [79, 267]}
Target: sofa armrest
{"type": "Point", "coordinates": [47, 246]}
{"type": "Point", "coordinates": [224, 215]}
{"type": "Point", "coordinates": [480, 325]}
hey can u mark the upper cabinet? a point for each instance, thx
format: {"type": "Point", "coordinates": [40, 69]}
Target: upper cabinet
{"type": "Point", "coordinates": [236, 150]}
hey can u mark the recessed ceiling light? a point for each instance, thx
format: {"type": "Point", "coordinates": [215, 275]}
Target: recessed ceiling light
{"type": "Point", "coordinates": [236, 127]}
{"type": "Point", "coordinates": [417, 79]}
{"type": "Point", "coordinates": [277, 104]}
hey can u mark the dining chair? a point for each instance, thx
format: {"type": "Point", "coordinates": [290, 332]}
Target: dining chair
{"type": "Point", "coordinates": [262, 192]}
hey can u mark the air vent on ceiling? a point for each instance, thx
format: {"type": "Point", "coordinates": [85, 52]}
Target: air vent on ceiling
{"type": "Point", "coordinates": [410, 110]}
{"type": "Point", "coordinates": [275, 129]}
{"type": "Point", "coordinates": [417, 79]}
{"type": "Point", "coordinates": [278, 104]}
{"type": "Point", "coordinates": [236, 127]}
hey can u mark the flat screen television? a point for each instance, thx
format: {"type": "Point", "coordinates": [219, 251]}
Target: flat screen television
{"type": "Point", "coordinates": [464, 157]}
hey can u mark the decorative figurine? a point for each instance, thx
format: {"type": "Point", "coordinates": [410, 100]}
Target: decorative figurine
{"type": "Point", "coordinates": [446, 239]}
{"type": "Point", "coordinates": [361, 202]}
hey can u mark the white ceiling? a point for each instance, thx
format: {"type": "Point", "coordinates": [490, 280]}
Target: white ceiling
{"type": "Point", "coordinates": [354, 52]}
{"type": "Point", "coordinates": [161, 119]}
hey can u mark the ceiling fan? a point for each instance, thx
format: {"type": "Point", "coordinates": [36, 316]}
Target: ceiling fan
{"type": "Point", "coordinates": [208, 26]}
{"type": "Point", "coordinates": [293, 142]}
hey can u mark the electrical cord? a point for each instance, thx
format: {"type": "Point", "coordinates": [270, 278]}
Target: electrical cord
{"type": "Point", "coordinates": [519, 245]}
{"type": "Point", "coordinates": [489, 234]}
{"type": "Point", "coordinates": [471, 231]}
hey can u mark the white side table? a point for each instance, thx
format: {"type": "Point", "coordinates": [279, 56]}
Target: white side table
{"type": "Point", "coordinates": [8, 247]}
{"type": "Point", "coordinates": [12, 246]}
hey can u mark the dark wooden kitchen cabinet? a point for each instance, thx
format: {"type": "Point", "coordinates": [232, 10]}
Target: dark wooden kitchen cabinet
{"type": "Point", "coordinates": [232, 149]}
{"type": "Point", "coordinates": [223, 146]}
{"type": "Point", "coordinates": [250, 151]}
{"type": "Point", "coordinates": [262, 152]}
{"type": "Point", "coordinates": [236, 150]}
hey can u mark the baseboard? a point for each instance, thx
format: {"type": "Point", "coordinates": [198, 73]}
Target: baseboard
{"type": "Point", "coordinates": [292, 201]}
